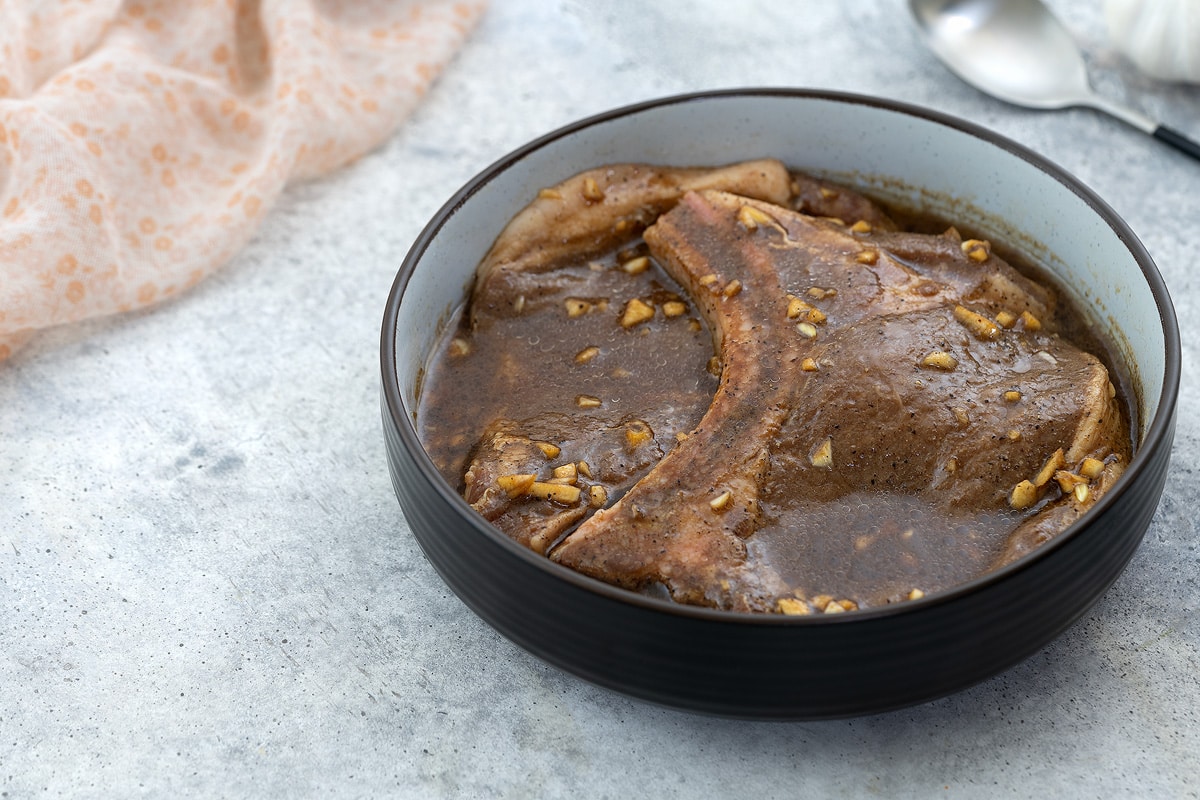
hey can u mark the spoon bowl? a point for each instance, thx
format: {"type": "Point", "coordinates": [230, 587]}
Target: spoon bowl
{"type": "Point", "coordinates": [1015, 51]}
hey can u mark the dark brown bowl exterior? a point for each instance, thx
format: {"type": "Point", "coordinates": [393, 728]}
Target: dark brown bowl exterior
{"type": "Point", "coordinates": [775, 667]}
{"type": "Point", "coordinates": [768, 667]}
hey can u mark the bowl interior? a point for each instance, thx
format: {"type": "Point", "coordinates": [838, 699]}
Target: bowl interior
{"type": "Point", "coordinates": [909, 155]}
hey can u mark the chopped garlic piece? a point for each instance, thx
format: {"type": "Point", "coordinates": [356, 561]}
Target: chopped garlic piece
{"type": "Point", "coordinates": [1053, 464]}
{"type": "Point", "coordinates": [577, 307]}
{"type": "Point", "coordinates": [587, 354]}
{"type": "Point", "coordinates": [721, 501]}
{"type": "Point", "coordinates": [515, 485]}
{"type": "Point", "coordinates": [1023, 496]}
{"type": "Point", "coordinates": [549, 450]}
{"type": "Point", "coordinates": [981, 326]}
{"type": "Point", "coordinates": [597, 496]}
{"type": "Point", "coordinates": [940, 360]}
{"type": "Point", "coordinates": [822, 456]}
{"type": "Point", "coordinates": [977, 249]}
{"type": "Point", "coordinates": [592, 191]}
{"type": "Point", "coordinates": [674, 308]}
{"type": "Point", "coordinates": [1067, 481]}
{"type": "Point", "coordinates": [751, 217]}
{"type": "Point", "coordinates": [637, 311]}
{"type": "Point", "coordinates": [636, 266]}
{"type": "Point", "coordinates": [796, 307]}
{"type": "Point", "coordinates": [637, 433]}
{"type": "Point", "coordinates": [792, 607]}
{"type": "Point", "coordinates": [568, 473]}
{"type": "Point", "coordinates": [556, 492]}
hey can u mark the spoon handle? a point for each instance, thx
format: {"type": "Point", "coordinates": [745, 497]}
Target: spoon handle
{"type": "Point", "coordinates": [1177, 140]}
{"type": "Point", "coordinates": [1164, 133]}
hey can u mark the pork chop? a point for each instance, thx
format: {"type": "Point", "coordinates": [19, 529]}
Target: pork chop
{"type": "Point", "coordinates": [865, 375]}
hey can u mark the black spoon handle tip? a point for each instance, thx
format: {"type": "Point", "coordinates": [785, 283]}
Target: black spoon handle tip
{"type": "Point", "coordinates": [1177, 140]}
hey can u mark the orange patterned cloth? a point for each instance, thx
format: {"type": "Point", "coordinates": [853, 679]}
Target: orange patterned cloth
{"type": "Point", "coordinates": [141, 143]}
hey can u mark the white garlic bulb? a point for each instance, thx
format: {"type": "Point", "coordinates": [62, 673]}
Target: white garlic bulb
{"type": "Point", "coordinates": [1161, 37]}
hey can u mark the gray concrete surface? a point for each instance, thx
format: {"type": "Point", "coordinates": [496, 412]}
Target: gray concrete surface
{"type": "Point", "coordinates": [207, 587]}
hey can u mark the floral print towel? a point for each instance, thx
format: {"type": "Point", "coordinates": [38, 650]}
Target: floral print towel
{"type": "Point", "coordinates": [141, 143]}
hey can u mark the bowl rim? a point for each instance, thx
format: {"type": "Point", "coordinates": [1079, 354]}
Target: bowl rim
{"type": "Point", "coordinates": [1158, 431]}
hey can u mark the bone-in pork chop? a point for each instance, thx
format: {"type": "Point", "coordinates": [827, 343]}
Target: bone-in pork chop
{"type": "Point", "coordinates": [887, 421]}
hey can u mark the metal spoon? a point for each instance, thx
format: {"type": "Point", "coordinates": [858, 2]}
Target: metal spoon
{"type": "Point", "coordinates": [1017, 51]}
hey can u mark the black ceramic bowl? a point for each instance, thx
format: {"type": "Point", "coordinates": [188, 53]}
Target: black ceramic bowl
{"type": "Point", "coordinates": [774, 666]}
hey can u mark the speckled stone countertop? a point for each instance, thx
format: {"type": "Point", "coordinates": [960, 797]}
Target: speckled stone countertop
{"type": "Point", "coordinates": [207, 586]}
